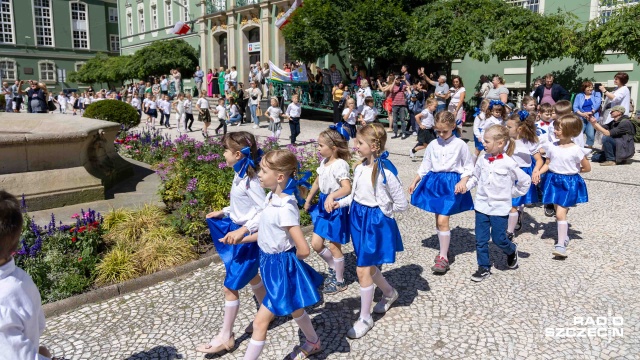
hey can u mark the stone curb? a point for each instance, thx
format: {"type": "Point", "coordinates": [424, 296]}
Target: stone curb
{"type": "Point", "coordinates": [111, 291]}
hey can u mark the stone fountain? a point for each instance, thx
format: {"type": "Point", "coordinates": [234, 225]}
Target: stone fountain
{"type": "Point", "coordinates": [57, 160]}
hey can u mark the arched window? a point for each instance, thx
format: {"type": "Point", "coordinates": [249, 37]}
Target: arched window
{"type": "Point", "coordinates": [254, 35]}
{"type": "Point", "coordinates": [223, 50]}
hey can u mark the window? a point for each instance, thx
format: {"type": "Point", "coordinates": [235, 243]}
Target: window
{"type": "Point", "coordinates": [79, 25]}
{"type": "Point", "coordinates": [154, 17]}
{"type": "Point", "coordinates": [113, 15]}
{"type": "Point", "coordinates": [47, 70]}
{"type": "Point", "coordinates": [533, 5]}
{"type": "Point", "coordinates": [168, 13]}
{"type": "Point", "coordinates": [129, 24]}
{"type": "Point", "coordinates": [8, 69]}
{"type": "Point", "coordinates": [115, 42]}
{"type": "Point", "coordinates": [6, 22]}
{"type": "Point", "coordinates": [185, 10]}
{"type": "Point", "coordinates": [141, 28]}
{"type": "Point", "coordinates": [42, 19]}
{"type": "Point", "coordinates": [223, 50]}
{"type": "Point", "coordinates": [607, 7]}
{"type": "Point", "coordinates": [78, 66]}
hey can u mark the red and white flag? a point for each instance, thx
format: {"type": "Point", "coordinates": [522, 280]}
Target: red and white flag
{"type": "Point", "coordinates": [284, 19]}
{"type": "Point", "coordinates": [181, 28]}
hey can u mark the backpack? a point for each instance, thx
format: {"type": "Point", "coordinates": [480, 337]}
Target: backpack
{"type": "Point", "coordinates": [636, 124]}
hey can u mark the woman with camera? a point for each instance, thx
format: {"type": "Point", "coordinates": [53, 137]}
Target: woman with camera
{"type": "Point", "coordinates": [587, 104]}
{"type": "Point", "coordinates": [254, 103]}
{"type": "Point", "coordinates": [36, 97]}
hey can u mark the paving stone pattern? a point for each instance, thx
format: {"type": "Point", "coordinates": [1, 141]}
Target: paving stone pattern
{"type": "Point", "coordinates": [440, 317]}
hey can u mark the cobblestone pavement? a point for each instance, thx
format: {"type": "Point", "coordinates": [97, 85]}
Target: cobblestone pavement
{"type": "Point", "coordinates": [444, 317]}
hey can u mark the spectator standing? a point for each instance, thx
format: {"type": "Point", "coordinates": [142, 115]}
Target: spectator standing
{"type": "Point", "coordinates": [266, 75]}
{"type": "Point", "coordinates": [221, 76]}
{"type": "Point", "coordinates": [36, 96]}
{"type": "Point", "coordinates": [210, 83]}
{"type": "Point", "coordinates": [405, 73]}
{"type": "Point", "coordinates": [215, 84]}
{"type": "Point", "coordinates": [399, 108]}
{"type": "Point", "coordinates": [155, 89]}
{"type": "Point", "coordinates": [255, 95]}
{"type": "Point", "coordinates": [177, 80]}
{"type": "Point", "coordinates": [336, 76]}
{"type": "Point", "coordinates": [326, 84]}
{"type": "Point", "coordinates": [621, 96]}
{"type": "Point", "coordinates": [499, 91]}
{"type": "Point", "coordinates": [485, 87]}
{"type": "Point", "coordinates": [233, 76]}
{"type": "Point", "coordinates": [8, 97]}
{"type": "Point", "coordinates": [587, 104]}
{"type": "Point", "coordinates": [550, 92]}
{"type": "Point", "coordinates": [456, 96]}
{"type": "Point", "coordinates": [17, 96]}
{"type": "Point", "coordinates": [198, 77]}
{"type": "Point", "coordinates": [338, 104]}
{"type": "Point", "coordinates": [441, 91]}
{"type": "Point", "coordinates": [164, 85]}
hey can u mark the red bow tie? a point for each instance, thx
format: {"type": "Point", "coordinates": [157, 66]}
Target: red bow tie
{"type": "Point", "coordinates": [545, 123]}
{"type": "Point", "coordinates": [492, 158]}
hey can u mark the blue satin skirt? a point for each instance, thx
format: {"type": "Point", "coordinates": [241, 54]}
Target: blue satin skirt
{"type": "Point", "coordinates": [436, 193]}
{"type": "Point", "coordinates": [333, 226]}
{"type": "Point", "coordinates": [241, 261]}
{"type": "Point", "coordinates": [530, 197]}
{"type": "Point", "coordinates": [290, 283]}
{"type": "Point", "coordinates": [564, 190]}
{"type": "Point", "coordinates": [478, 143]}
{"type": "Point", "coordinates": [376, 237]}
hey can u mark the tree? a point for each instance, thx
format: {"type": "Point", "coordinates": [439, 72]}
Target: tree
{"type": "Point", "coordinates": [619, 33]}
{"type": "Point", "coordinates": [449, 30]}
{"type": "Point", "coordinates": [539, 38]}
{"type": "Point", "coordinates": [104, 69]}
{"type": "Point", "coordinates": [163, 55]}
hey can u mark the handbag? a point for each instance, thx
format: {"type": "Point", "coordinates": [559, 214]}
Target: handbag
{"type": "Point", "coordinates": [258, 112]}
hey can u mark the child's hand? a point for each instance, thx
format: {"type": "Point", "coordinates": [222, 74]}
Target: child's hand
{"type": "Point", "coordinates": [535, 177]}
{"type": "Point", "coordinates": [233, 237]}
{"type": "Point", "coordinates": [215, 214]}
{"type": "Point", "coordinates": [307, 205]}
{"type": "Point", "coordinates": [328, 203]}
{"type": "Point", "coordinates": [412, 187]}
{"type": "Point", "coordinates": [335, 205]}
{"type": "Point", "coordinates": [460, 188]}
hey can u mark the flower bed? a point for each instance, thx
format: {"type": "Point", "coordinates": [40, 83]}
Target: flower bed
{"type": "Point", "coordinates": [195, 178]}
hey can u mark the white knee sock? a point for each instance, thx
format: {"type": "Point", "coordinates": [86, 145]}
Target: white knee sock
{"type": "Point", "coordinates": [512, 222]}
{"type": "Point", "coordinates": [338, 266]}
{"type": "Point", "coordinates": [254, 349]}
{"type": "Point", "coordinates": [259, 291]}
{"type": "Point", "coordinates": [563, 234]}
{"type": "Point", "coordinates": [230, 314]}
{"type": "Point", "coordinates": [382, 283]}
{"type": "Point", "coordinates": [325, 254]}
{"type": "Point", "coordinates": [444, 238]}
{"type": "Point", "coordinates": [304, 323]}
{"type": "Point", "coordinates": [278, 134]}
{"type": "Point", "coordinates": [366, 299]}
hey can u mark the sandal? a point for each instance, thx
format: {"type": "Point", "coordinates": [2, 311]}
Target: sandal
{"type": "Point", "coordinates": [299, 353]}
{"type": "Point", "coordinates": [210, 349]}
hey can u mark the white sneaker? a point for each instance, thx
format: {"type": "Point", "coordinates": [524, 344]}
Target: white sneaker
{"type": "Point", "coordinates": [385, 303]}
{"type": "Point", "coordinates": [360, 328]}
{"type": "Point", "coordinates": [239, 123]}
{"type": "Point", "coordinates": [412, 154]}
{"type": "Point", "coordinates": [255, 126]}
{"type": "Point", "coordinates": [415, 133]}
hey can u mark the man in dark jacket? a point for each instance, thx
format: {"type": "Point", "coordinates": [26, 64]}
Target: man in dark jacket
{"type": "Point", "coordinates": [550, 93]}
{"type": "Point", "coordinates": [617, 142]}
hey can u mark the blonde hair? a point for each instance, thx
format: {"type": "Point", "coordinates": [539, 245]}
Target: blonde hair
{"type": "Point", "coordinates": [526, 128]}
{"type": "Point", "coordinates": [273, 98]}
{"type": "Point", "coordinates": [570, 125]}
{"type": "Point", "coordinates": [285, 162]}
{"type": "Point", "coordinates": [333, 138]}
{"type": "Point", "coordinates": [431, 101]}
{"type": "Point", "coordinates": [350, 100]}
{"type": "Point", "coordinates": [501, 133]}
{"type": "Point", "coordinates": [484, 105]}
{"type": "Point", "coordinates": [446, 117]}
{"type": "Point", "coordinates": [374, 135]}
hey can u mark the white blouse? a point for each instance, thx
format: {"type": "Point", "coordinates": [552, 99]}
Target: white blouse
{"type": "Point", "coordinates": [246, 203]}
{"type": "Point", "coordinates": [351, 120]}
{"type": "Point", "coordinates": [274, 114]}
{"type": "Point", "coordinates": [498, 182]}
{"type": "Point", "coordinates": [21, 316]}
{"type": "Point", "coordinates": [455, 97]}
{"type": "Point", "coordinates": [524, 151]}
{"type": "Point", "coordinates": [565, 160]}
{"type": "Point", "coordinates": [278, 213]}
{"type": "Point", "coordinates": [294, 110]}
{"type": "Point", "coordinates": [389, 197]}
{"type": "Point", "coordinates": [451, 155]}
{"type": "Point", "coordinates": [578, 140]}
{"type": "Point", "coordinates": [478, 126]}
{"type": "Point", "coordinates": [427, 118]}
{"type": "Point", "coordinates": [330, 176]}
{"type": "Point", "coordinates": [369, 114]}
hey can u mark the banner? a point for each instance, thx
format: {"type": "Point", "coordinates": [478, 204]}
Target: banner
{"type": "Point", "coordinates": [181, 28]}
{"type": "Point", "coordinates": [297, 75]}
{"type": "Point", "coordinates": [284, 19]}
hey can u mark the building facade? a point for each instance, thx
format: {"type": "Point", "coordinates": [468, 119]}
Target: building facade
{"type": "Point", "coordinates": [514, 70]}
{"type": "Point", "coordinates": [46, 40]}
{"type": "Point", "coordinates": [224, 32]}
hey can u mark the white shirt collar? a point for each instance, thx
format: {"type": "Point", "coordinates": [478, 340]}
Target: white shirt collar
{"type": "Point", "coordinates": [7, 269]}
{"type": "Point", "coordinates": [278, 201]}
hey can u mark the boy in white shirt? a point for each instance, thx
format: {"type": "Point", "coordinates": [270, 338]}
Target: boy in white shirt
{"type": "Point", "coordinates": [369, 112]}
{"type": "Point", "coordinates": [221, 111]}
{"type": "Point", "coordinates": [294, 110]}
{"type": "Point", "coordinates": [21, 316]}
{"type": "Point", "coordinates": [62, 101]}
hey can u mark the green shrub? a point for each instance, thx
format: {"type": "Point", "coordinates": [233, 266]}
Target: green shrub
{"type": "Point", "coordinates": [115, 111]}
{"type": "Point", "coordinates": [117, 266]}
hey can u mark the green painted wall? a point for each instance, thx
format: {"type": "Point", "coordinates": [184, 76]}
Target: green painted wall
{"type": "Point", "coordinates": [26, 54]}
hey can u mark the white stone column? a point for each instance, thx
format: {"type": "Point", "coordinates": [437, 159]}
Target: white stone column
{"type": "Point", "coordinates": [202, 32]}
{"type": "Point", "coordinates": [232, 28]}
{"type": "Point", "coordinates": [265, 32]}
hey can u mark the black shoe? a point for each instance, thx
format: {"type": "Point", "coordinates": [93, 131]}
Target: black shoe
{"type": "Point", "coordinates": [510, 236]}
{"type": "Point", "coordinates": [480, 274]}
{"type": "Point", "coordinates": [549, 210]}
{"type": "Point", "coordinates": [405, 136]}
{"type": "Point", "coordinates": [395, 136]}
{"type": "Point", "coordinates": [190, 130]}
{"type": "Point", "coordinates": [512, 260]}
{"type": "Point", "coordinates": [519, 224]}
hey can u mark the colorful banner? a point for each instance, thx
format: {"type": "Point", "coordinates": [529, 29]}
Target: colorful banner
{"type": "Point", "coordinates": [284, 19]}
{"type": "Point", "coordinates": [297, 75]}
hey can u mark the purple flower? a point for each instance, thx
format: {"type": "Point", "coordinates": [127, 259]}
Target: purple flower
{"type": "Point", "coordinates": [222, 165]}
{"type": "Point", "coordinates": [186, 154]}
{"type": "Point", "coordinates": [172, 160]}
{"type": "Point", "coordinates": [215, 156]}
{"type": "Point", "coordinates": [200, 157]}
{"type": "Point", "coordinates": [193, 202]}
{"type": "Point", "coordinates": [193, 184]}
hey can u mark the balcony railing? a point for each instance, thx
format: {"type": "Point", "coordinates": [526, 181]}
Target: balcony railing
{"type": "Point", "coordinates": [215, 6]}
{"type": "Point", "coordinates": [240, 3]}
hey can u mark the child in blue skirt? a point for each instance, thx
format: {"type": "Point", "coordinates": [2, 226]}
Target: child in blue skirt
{"type": "Point", "coordinates": [563, 186]}
{"type": "Point", "coordinates": [440, 186]}
{"type": "Point", "coordinates": [240, 217]}
{"type": "Point", "coordinates": [479, 124]}
{"type": "Point", "coordinates": [377, 193]}
{"type": "Point", "coordinates": [522, 130]}
{"type": "Point", "coordinates": [499, 179]}
{"type": "Point", "coordinates": [334, 183]}
{"type": "Point", "coordinates": [291, 284]}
